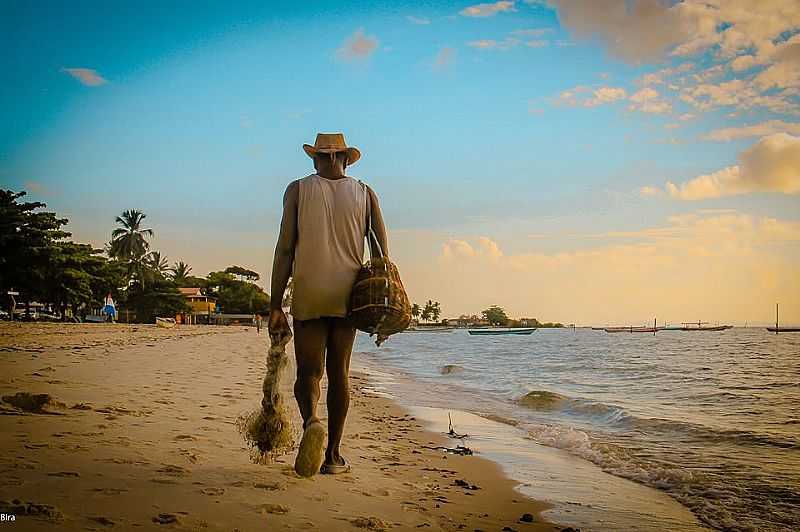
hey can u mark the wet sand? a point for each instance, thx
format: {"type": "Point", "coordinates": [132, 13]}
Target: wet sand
{"type": "Point", "coordinates": [141, 431]}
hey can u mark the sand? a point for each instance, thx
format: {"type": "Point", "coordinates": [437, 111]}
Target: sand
{"type": "Point", "coordinates": [138, 429]}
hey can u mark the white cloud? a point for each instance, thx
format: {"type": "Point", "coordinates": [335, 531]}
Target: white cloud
{"type": "Point", "coordinates": [770, 165]}
{"type": "Point", "coordinates": [488, 9]}
{"type": "Point", "coordinates": [576, 282]}
{"type": "Point", "coordinates": [648, 100]}
{"type": "Point", "coordinates": [358, 46]}
{"type": "Point", "coordinates": [532, 32]}
{"type": "Point", "coordinates": [757, 42]}
{"type": "Point", "coordinates": [650, 191]}
{"type": "Point", "coordinates": [444, 58]}
{"type": "Point", "coordinates": [586, 97]}
{"type": "Point", "coordinates": [762, 129]}
{"type": "Point", "coordinates": [422, 21]}
{"type": "Point", "coordinates": [86, 76]}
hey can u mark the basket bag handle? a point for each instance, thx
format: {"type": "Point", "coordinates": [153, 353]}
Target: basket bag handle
{"type": "Point", "coordinates": [370, 233]}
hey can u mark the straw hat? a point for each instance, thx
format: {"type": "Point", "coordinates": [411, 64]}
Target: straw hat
{"type": "Point", "coordinates": [332, 143]}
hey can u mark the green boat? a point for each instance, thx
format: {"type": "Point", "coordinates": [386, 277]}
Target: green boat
{"type": "Point", "coordinates": [518, 330]}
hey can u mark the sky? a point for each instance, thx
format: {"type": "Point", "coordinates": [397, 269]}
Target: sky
{"type": "Point", "coordinates": [600, 162]}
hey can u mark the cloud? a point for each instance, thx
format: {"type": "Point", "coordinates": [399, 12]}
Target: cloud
{"type": "Point", "coordinates": [650, 191]}
{"type": "Point", "coordinates": [487, 10]}
{"type": "Point", "coordinates": [648, 100]}
{"type": "Point", "coordinates": [444, 58]}
{"type": "Point", "coordinates": [584, 96]}
{"type": "Point", "coordinates": [635, 31]}
{"type": "Point", "coordinates": [746, 256]}
{"type": "Point", "coordinates": [358, 46]}
{"type": "Point", "coordinates": [770, 165]}
{"type": "Point", "coordinates": [763, 129]}
{"type": "Point", "coordinates": [753, 47]}
{"type": "Point", "coordinates": [532, 32]}
{"type": "Point", "coordinates": [422, 21]}
{"type": "Point", "coordinates": [35, 187]}
{"type": "Point", "coordinates": [86, 76]}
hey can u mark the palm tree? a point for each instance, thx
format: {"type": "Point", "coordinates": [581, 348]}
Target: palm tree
{"type": "Point", "coordinates": [435, 311]}
{"type": "Point", "coordinates": [157, 263]}
{"type": "Point", "coordinates": [129, 242]}
{"type": "Point", "coordinates": [415, 311]}
{"type": "Point", "coordinates": [180, 271]}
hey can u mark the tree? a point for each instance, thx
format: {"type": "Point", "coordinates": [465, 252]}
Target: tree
{"type": "Point", "coordinates": [180, 272]}
{"type": "Point", "coordinates": [157, 263]}
{"type": "Point", "coordinates": [235, 296]}
{"type": "Point", "coordinates": [129, 242]}
{"type": "Point", "coordinates": [158, 298]}
{"type": "Point", "coordinates": [27, 240]}
{"type": "Point", "coordinates": [495, 315]}
{"type": "Point", "coordinates": [415, 311]}
{"type": "Point", "coordinates": [435, 311]}
{"type": "Point", "coordinates": [243, 273]}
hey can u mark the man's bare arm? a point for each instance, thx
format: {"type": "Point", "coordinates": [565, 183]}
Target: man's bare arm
{"type": "Point", "coordinates": [284, 249]}
{"type": "Point", "coordinates": [377, 225]}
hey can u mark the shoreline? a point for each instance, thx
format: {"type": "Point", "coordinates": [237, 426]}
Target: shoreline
{"type": "Point", "coordinates": [141, 430]}
{"type": "Point", "coordinates": [580, 493]}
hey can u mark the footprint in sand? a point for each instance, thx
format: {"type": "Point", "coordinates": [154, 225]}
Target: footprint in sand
{"type": "Point", "coordinates": [73, 474]}
{"type": "Point", "coordinates": [165, 519]}
{"type": "Point", "coordinates": [105, 521]}
{"type": "Point", "coordinates": [173, 470]}
{"type": "Point", "coordinates": [278, 509]}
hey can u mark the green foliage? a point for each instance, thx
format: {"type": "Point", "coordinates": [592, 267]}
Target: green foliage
{"type": "Point", "coordinates": [158, 264]}
{"type": "Point", "coordinates": [415, 311]}
{"type": "Point", "coordinates": [160, 297]}
{"type": "Point", "coordinates": [27, 239]}
{"type": "Point", "coordinates": [180, 272]}
{"type": "Point", "coordinates": [235, 296]}
{"type": "Point", "coordinates": [495, 315]}
{"type": "Point", "coordinates": [243, 274]}
{"type": "Point", "coordinates": [129, 243]}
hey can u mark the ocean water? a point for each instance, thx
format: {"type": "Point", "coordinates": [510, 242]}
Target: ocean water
{"type": "Point", "coordinates": [710, 418]}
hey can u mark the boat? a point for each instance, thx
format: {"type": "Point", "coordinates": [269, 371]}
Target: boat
{"type": "Point", "coordinates": [778, 329]}
{"type": "Point", "coordinates": [701, 326]}
{"type": "Point", "coordinates": [166, 323]}
{"type": "Point", "coordinates": [632, 329]}
{"type": "Point", "coordinates": [489, 331]}
{"type": "Point", "coordinates": [428, 329]}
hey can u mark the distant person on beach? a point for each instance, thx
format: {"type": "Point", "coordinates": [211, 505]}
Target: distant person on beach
{"type": "Point", "coordinates": [109, 309]}
{"type": "Point", "coordinates": [321, 246]}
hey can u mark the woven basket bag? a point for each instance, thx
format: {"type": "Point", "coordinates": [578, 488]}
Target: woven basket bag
{"type": "Point", "coordinates": [378, 302]}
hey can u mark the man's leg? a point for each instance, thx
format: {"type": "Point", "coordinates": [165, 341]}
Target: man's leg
{"type": "Point", "coordinates": [337, 364]}
{"type": "Point", "coordinates": [310, 337]}
{"type": "Point", "coordinates": [309, 344]}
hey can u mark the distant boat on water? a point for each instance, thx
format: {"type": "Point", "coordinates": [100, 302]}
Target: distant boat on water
{"type": "Point", "coordinates": [631, 329]}
{"type": "Point", "coordinates": [701, 326]}
{"type": "Point", "coordinates": [778, 329]}
{"type": "Point", "coordinates": [488, 331]}
{"type": "Point", "coordinates": [428, 329]}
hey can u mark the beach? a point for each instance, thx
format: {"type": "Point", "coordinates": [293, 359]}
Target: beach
{"type": "Point", "coordinates": [140, 431]}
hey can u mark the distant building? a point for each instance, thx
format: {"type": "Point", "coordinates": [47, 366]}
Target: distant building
{"type": "Point", "coordinates": [200, 304]}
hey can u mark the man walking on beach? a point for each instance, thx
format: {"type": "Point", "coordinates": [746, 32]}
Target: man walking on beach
{"type": "Point", "coordinates": [321, 246]}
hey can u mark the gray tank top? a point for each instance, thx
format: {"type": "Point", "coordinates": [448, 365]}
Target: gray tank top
{"type": "Point", "coordinates": [331, 222]}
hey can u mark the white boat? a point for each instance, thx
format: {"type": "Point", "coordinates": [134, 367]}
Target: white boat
{"type": "Point", "coordinates": [489, 331]}
{"type": "Point", "coordinates": [166, 323]}
{"type": "Point", "coordinates": [428, 329]}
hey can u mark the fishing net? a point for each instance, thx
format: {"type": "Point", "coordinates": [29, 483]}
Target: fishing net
{"type": "Point", "coordinates": [269, 430]}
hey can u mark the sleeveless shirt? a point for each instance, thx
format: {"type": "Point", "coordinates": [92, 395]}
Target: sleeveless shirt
{"type": "Point", "coordinates": [331, 223]}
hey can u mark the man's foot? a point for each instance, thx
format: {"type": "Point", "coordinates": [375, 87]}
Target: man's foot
{"type": "Point", "coordinates": [335, 467]}
{"type": "Point", "coordinates": [310, 454]}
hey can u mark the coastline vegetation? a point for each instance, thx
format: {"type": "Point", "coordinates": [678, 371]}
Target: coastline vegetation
{"type": "Point", "coordinates": [40, 263]}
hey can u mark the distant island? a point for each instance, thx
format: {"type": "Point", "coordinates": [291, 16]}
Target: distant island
{"type": "Point", "coordinates": [493, 316]}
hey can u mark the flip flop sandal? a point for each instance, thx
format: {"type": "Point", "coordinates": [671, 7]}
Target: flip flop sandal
{"type": "Point", "coordinates": [310, 455]}
{"type": "Point", "coordinates": [335, 469]}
